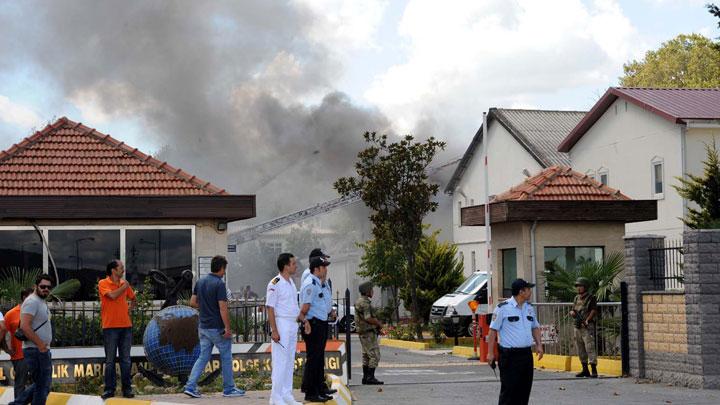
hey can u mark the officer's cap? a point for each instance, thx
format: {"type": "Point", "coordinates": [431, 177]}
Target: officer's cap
{"type": "Point", "coordinates": [366, 287]}
{"type": "Point", "coordinates": [316, 262]}
{"type": "Point", "coordinates": [317, 252]}
{"type": "Point", "coordinates": [519, 284]}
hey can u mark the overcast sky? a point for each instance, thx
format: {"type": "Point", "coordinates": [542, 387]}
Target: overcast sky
{"type": "Point", "coordinates": [429, 67]}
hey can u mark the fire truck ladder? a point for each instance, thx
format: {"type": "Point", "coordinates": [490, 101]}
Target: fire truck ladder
{"type": "Point", "coordinates": [253, 232]}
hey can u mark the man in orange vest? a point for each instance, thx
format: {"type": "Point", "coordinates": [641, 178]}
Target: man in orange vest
{"type": "Point", "coordinates": [12, 323]}
{"type": "Point", "coordinates": [115, 292]}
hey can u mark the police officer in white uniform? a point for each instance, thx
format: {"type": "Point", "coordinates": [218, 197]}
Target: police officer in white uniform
{"type": "Point", "coordinates": [283, 310]}
{"type": "Point", "coordinates": [515, 320]}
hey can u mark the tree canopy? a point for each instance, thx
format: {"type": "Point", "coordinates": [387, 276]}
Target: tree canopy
{"type": "Point", "coordinates": [392, 181]}
{"type": "Point", "coordinates": [691, 61]}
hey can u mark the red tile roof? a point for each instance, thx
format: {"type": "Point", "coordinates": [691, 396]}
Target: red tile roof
{"type": "Point", "coordinates": [69, 159]}
{"type": "Point", "coordinates": [675, 105]}
{"type": "Point", "coordinates": [560, 183]}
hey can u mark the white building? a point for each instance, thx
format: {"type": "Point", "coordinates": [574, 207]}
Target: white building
{"type": "Point", "coordinates": [641, 140]}
{"type": "Point", "coordinates": [520, 143]}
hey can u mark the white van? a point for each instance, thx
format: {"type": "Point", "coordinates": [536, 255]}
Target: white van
{"type": "Point", "coordinates": [456, 303]}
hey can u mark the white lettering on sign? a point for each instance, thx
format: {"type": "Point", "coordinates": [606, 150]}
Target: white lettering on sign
{"type": "Point", "coordinates": [548, 334]}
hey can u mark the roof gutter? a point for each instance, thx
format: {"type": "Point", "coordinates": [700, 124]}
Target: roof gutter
{"type": "Point", "coordinates": [701, 124]}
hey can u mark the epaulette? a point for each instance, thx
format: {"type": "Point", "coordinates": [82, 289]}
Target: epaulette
{"type": "Point", "coordinates": [502, 303]}
{"type": "Point", "coordinates": [275, 280]}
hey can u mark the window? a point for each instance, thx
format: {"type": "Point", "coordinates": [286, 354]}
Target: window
{"type": "Point", "coordinates": [472, 260]}
{"type": "Point", "coordinates": [83, 255]}
{"type": "Point", "coordinates": [20, 250]}
{"type": "Point", "coordinates": [509, 269]}
{"type": "Point", "coordinates": [472, 202]}
{"type": "Point", "coordinates": [658, 186]}
{"type": "Point", "coordinates": [459, 213]}
{"type": "Point", "coordinates": [571, 257]}
{"type": "Point", "coordinates": [603, 176]}
{"type": "Point", "coordinates": [167, 250]}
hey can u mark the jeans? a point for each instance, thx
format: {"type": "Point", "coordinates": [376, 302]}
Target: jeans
{"type": "Point", "coordinates": [40, 366]}
{"type": "Point", "coordinates": [20, 368]}
{"type": "Point", "coordinates": [208, 339]}
{"type": "Point", "coordinates": [117, 340]}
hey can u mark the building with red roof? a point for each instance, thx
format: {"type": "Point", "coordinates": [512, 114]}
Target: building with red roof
{"type": "Point", "coordinates": [72, 199]}
{"type": "Point", "coordinates": [641, 140]}
{"type": "Point", "coordinates": [556, 217]}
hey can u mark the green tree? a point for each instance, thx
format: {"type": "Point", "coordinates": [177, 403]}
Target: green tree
{"type": "Point", "coordinates": [704, 191]}
{"type": "Point", "coordinates": [603, 276]}
{"type": "Point", "coordinates": [714, 10]}
{"type": "Point", "coordinates": [384, 264]}
{"type": "Point", "coordinates": [684, 61]}
{"type": "Point", "coordinates": [439, 271]}
{"type": "Point", "coordinates": [392, 181]}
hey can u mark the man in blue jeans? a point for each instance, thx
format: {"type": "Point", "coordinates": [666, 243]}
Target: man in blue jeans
{"type": "Point", "coordinates": [35, 324]}
{"type": "Point", "coordinates": [210, 296]}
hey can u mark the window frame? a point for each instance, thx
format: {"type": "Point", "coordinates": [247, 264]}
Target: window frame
{"type": "Point", "coordinates": [654, 162]}
{"type": "Point", "coordinates": [121, 228]}
{"type": "Point", "coordinates": [601, 247]}
{"type": "Point", "coordinates": [603, 171]}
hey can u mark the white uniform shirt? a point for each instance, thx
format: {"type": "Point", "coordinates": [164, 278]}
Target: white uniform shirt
{"type": "Point", "coordinates": [304, 276]}
{"type": "Point", "coordinates": [282, 297]}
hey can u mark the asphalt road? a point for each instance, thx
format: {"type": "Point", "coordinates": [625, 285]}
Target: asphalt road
{"type": "Point", "coordinates": [436, 377]}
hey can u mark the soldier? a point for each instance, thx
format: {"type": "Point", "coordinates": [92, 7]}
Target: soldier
{"type": "Point", "coordinates": [368, 327]}
{"type": "Point", "coordinates": [517, 324]}
{"type": "Point", "coordinates": [584, 312]}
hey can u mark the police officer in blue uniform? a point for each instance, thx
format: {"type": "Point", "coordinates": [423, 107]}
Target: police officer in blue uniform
{"type": "Point", "coordinates": [316, 306]}
{"type": "Point", "coordinates": [515, 320]}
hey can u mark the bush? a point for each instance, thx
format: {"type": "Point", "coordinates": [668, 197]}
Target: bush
{"type": "Point", "coordinates": [402, 332]}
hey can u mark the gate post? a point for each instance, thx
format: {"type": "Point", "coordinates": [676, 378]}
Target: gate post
{"type": "Point", "coordinates": [624, 337]}
{"type": "Point", "coordinates": [348, 337]}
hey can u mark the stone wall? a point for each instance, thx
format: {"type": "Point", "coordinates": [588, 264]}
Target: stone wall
{"type": "Point", "coordinates": [675, 337]}
{"type": "Point", "coordinates": [664, 322]}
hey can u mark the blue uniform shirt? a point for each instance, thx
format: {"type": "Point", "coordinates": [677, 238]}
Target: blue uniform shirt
{"type": "Point", "coordinates": [514, 324]}
{"type": "Point", "coordinates": [318, 295]}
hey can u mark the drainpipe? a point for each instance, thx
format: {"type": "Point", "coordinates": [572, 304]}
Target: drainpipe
{"type": "Point", "coordinates": [533, 265]}
{"type": "Point", "coordinates": [683, 163]}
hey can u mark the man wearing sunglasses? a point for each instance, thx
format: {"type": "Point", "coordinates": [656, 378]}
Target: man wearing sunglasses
{"type": "Point", "coordinates": [35, 325]}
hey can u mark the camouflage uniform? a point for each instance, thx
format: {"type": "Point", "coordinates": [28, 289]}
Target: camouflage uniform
{"type": "Point", "coordinates": [585, 335]}
{"type": "Point", "coordinates": [367, 333]}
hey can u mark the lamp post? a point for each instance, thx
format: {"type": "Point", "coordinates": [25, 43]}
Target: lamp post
{"type": "Point", "coordinates": [456, 321]}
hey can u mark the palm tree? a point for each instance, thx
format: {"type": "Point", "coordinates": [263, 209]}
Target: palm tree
{"type": "Point", "coordinates": [603, 276]}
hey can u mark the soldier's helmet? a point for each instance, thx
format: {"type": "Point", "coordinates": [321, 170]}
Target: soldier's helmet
{"type": "Point", "coordinates": [366, 287]}
{"type": "Point", "coordinates": [583, 281]}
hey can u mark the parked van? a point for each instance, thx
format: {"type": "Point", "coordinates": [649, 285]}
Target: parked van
{"type": "Point", "coordinates": [456, 304]}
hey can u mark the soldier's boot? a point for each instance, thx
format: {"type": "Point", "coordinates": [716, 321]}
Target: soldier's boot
{"type": "Point", "coordinates": [371, 380]}
{"type": "Point", "coordinates": [594, 373]}
{"type": "Point", "coordinates": [585, 372]}
{"type": "Point", "coordinates": [365, 374]}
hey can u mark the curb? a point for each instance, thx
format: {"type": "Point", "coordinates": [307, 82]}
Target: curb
{"type": "Point", "coordinates": [343, 395]}
{"type": "Point", "coordinates": [61, 398]}
{"type": "Point", "coordinates": [572, 363]}
{"type": "Point", "coordinates": [404, 344]}
{"type": "Point", "coordinates": [463, 351]}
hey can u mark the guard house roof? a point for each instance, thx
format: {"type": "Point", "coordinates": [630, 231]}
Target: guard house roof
{"type": "Point", "coordinates": [560, 194]}
{"type": "Point", "coordinates": [539, 132]}
{"type": "Point", "coordinates": [68, 170]}
{"type": "Point", "coordinates": [675, 105]}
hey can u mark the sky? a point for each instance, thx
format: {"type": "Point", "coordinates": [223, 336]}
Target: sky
{"type": "Point", "coordinates": [221, 88]}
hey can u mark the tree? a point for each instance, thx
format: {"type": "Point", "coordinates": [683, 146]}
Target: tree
{"type": "Point", "coordinates": [392, 181]}
{"type": "Point", "coordinates": [704, 191]}
{"type": "Point", "coordinates": [384, 264]}
{"type": "Point", "coordinates": [603, 278]}
{"type": "Point", "coordinates": [439, 271]}
{"type": "Point", "coordinates": [714, 10]}
{"type": "Point", "coordinates": [685, 61]}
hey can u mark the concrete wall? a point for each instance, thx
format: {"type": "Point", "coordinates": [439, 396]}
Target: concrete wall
{"type": "Point", "coordinates": [507, 159]}
{"type": "Point", "coordinates": [625, 140]}
{"type": "Point", "coordinates": [608, 235]}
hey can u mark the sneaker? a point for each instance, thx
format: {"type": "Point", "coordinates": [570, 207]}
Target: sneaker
{"type": "Point", "coordinates": [192, 393]}
{"type": "Point", "coordinates": [235, 392]}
